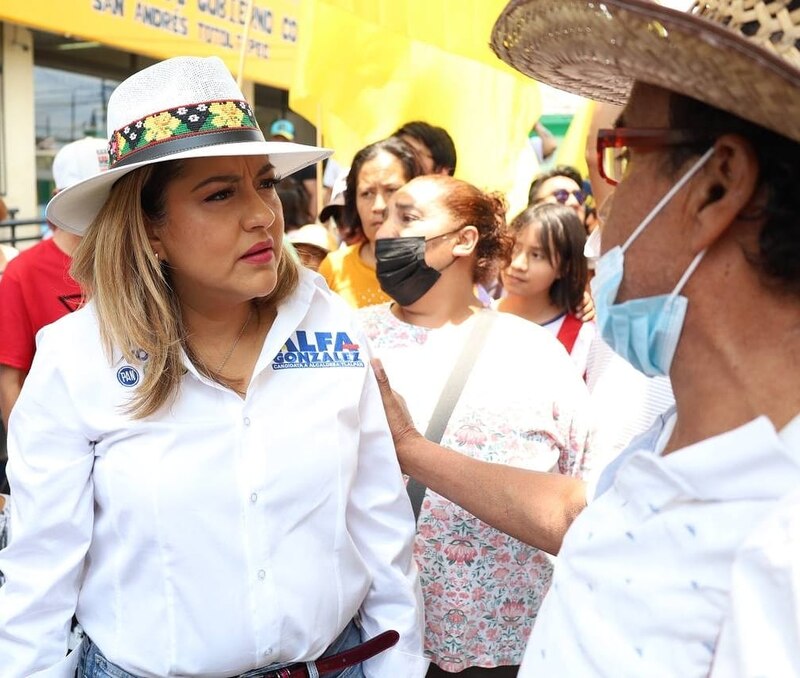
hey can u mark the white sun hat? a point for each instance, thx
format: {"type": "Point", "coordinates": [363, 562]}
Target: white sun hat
{"type": "Point", "coordinates": [184, 107]}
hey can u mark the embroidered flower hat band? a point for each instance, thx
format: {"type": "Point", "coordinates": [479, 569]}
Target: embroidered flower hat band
{"type": "Point", "coordinates": [183, 127]}
{"type": "Point", "coordinates": [185, 107]}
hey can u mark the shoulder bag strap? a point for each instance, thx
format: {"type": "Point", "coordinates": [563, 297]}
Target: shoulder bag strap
{"type": "Point", "coordinates": [450, 395]}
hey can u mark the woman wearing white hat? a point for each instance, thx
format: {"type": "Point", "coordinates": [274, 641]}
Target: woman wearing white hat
{"type": "Point", "coordinates": [202, 509]}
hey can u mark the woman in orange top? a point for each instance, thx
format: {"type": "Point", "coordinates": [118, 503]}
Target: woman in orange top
{"type": "Point", "coordinates": [378, 170]}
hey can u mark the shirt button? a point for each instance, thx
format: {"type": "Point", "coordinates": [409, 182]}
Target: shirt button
{"type": "Point", "coordinates": [247, 421]}
{"type": "Point", "coordinates": [261, 574]}
{"type": "Point", "coordinates": [254, 497]}
{"type": "Point", "coordinates": [268, 652]}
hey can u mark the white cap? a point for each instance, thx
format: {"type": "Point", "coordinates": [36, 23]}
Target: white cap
{"type": "Point", "coordinates": [591, 250]}
{"type": "Point", "coordinates": [338, 189]}
{"type": "Point", "coordinates": [333, 208]}
{"type": "Point", "coordinates": [79, 160]}
{"type": "Point", "coordinates": [312, 234]}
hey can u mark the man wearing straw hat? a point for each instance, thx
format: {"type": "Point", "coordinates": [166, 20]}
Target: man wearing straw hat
{"type": "Point", "coordinates": [686, 561]}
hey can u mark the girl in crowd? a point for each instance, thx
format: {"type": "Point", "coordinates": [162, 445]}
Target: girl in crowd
{"type": "Point", "coordinates": [378, 170]}
{"type": "Point", "coordinates": [522, 404]}
{"type": "Point", "coordinates": [546, 279]}
{"type": "Point", "coordinates": [171, 486]}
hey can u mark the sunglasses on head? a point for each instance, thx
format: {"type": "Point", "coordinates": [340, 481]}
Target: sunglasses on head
{"type": "Point", "coordinates": [562, 196]}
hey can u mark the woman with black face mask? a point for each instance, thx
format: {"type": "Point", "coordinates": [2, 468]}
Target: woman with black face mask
{"type": "Point", "coordinates": [517, 399]}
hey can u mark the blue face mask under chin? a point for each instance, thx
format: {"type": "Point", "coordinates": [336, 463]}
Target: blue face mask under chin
{"type": "Point", "coordinates": [644, 331]}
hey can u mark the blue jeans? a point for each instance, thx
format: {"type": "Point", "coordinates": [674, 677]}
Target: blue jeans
{"type": "Point", "coordinates": [94, 665]}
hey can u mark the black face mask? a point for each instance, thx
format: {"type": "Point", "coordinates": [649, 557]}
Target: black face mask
{"type": "Point", "coordinates": [401, 268]}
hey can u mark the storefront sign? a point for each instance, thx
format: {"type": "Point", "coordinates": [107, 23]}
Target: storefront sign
{"type": "Point", "coordinates": [166, 28]}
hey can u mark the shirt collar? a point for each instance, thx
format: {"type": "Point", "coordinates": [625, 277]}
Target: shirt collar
{"type": "Point", "coordinates": [751, 462]}
{"type": "Point", "coordinates": [790, 435]}
{"type": "Point", "coordinates": [290, 314]}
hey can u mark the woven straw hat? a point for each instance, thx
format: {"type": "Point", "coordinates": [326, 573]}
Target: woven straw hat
{"type": "Point", "coordinates": [741, 56]}
{"type": "Point", "coordinates": [185, 107]}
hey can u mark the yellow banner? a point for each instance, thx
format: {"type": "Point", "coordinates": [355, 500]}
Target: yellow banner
{"type": "Point", "coordinates": [167, 28]}
{"type": "Point", "coordinates": [364, 67]}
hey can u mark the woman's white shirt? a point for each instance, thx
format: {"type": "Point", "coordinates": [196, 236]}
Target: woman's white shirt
{"type": "Point", "coordinates": [219, 534]}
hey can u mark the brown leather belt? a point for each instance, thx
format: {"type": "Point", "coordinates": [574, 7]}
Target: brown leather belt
{"type": "Point", "coordinates": [335, 662]}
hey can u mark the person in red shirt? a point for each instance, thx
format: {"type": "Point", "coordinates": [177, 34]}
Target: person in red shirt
{"type": "Point", "coordinates": [36, 288]}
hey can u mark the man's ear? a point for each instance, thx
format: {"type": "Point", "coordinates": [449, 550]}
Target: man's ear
{"type": "Point", "coordinates": [727, 188]}
{"type": "Point", "coordinates": [467, 241]}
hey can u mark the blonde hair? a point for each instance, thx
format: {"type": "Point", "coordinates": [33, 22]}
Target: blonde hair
{"type": "Point", "coordinates": [136, 307]}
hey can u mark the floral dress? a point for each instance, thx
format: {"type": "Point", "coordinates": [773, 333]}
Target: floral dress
{"type": "Point", "coordinates": [524, 404]}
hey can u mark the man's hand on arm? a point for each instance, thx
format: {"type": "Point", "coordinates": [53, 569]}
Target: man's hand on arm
{"type": "Point", "coordinates": [536, 508]}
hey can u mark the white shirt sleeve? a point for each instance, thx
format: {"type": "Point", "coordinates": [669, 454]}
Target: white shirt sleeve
{"type": "Point", "coordinates": [51, 509]}
{"type": "Point", "coordinates": [761, 633]}
{"type": "Point", "coordinates": [381, 523]}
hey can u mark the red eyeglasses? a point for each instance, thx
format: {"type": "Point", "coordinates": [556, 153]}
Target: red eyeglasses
{"type": "Point", "coordinates": [613, 146]}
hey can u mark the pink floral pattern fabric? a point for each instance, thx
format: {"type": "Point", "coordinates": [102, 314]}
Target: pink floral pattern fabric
{"type": "Point", "coordinates": [524, 404]}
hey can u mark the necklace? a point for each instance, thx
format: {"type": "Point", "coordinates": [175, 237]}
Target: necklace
{"type": "Point", "coordinates": [235, 342]}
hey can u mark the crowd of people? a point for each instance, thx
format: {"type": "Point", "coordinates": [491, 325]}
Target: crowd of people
{"type": "Point", "coordinates": [416, 435]}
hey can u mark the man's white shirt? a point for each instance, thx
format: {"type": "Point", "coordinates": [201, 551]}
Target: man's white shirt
{"type": "Point", "coordinates": [659, 575]}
